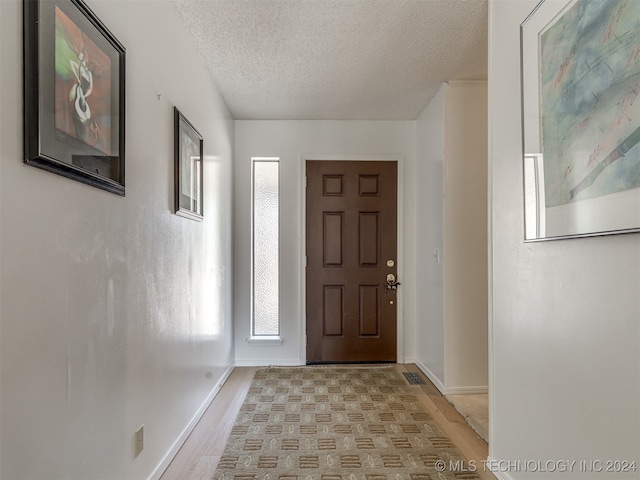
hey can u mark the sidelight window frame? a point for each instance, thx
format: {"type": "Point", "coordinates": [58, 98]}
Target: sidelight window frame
{"type": "Point", "coordinates": [259, 335]}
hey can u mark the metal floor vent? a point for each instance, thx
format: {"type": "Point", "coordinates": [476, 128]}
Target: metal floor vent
{"type": "Point", "coordinates": [414, 378]}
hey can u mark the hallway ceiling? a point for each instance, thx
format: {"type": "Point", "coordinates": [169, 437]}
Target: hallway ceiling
{"type": "Point", "coordinates": [336, 59]}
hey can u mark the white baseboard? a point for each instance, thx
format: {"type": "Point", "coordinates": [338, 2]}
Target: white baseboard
{"type": "Point", "coordinates": [497, 473]}
{"type": "Point", "coordinates": [162, 466]}
{"type": "Point", "coordinates": [440, 386]}
{"type": "Point", "coordinates": [268, 363]}
{"type": "Point", "coordinates": [466, 390]}
{"type": "Point", "coordinates": [430, 375]}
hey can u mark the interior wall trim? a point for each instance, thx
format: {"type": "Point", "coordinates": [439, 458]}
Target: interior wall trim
{"type": "Point", "coordinates": [252, 362]}
{"type": "Point", "coordinates": [498, 474]}
{"type": "Point", "coordinates": [171, 453]}
{"type": "Point", "coordinates": [431, 376]}
{"type": "Point", "coordinates": [490, 259]}
{"type": "Point", "coordinates": [466, 390]}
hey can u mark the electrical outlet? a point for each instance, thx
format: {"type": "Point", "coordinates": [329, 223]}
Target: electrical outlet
{"type": "Point", "coordinates": [139, 441]}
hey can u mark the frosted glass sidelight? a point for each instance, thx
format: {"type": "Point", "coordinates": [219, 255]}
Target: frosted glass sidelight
{"type": "Point", "coordinates": [266, 205]}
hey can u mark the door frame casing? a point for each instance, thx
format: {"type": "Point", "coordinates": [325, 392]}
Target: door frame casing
{"type": "Point", "coordinates": [399, 159]}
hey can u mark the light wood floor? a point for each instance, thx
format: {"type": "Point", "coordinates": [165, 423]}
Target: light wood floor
{"type": "Point", "coordinates": [199, 456]}
{"type": "Point", "coordinates": [475, 410]}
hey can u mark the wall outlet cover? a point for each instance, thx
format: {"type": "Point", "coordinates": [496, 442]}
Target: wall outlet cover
{"type": "Point", "coordinates": [139, 441]}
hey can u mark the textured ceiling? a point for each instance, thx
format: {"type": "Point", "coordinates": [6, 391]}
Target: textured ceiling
{"type": "Point", "coordinates": [336, 59]}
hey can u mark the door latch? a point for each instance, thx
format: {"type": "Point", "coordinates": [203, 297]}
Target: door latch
{"type": "Point", "coordinates": [392, 283]}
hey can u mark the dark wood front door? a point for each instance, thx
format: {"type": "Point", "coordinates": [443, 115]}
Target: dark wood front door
{"type": "Point", "coordinates": [351, 241]}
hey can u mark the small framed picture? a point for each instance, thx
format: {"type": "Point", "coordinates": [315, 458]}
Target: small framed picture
{"type": "Point", "coordinates": [74, 91]}
{"type": "Point", "coordinates": [188, 152]}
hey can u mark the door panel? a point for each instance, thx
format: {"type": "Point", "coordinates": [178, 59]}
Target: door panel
{"type": "Point", "coordinates": [333, 308]}
{"type": "Point", "coordinates": [369, 311]}
{"type": "Point", "coordinates": [369, 239]}
{"type": "Point", "coordinates": [351, 234]}
{"type": "Point", "coordinates": [332, 239]}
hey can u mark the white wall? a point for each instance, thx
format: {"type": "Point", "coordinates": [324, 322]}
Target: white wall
{"type": "Point", "coordinates": [565, 375]}
{"type": "Point", "coordinates": [289, 140]}
{"type": "Point", "coordinates": [114, 311]}
{"type": "Point", "coordinates": [430, 228]}
{"type": "Point", "coordinates": [465, 238]}
{"type": "Point", "coordinates": [452, 345]}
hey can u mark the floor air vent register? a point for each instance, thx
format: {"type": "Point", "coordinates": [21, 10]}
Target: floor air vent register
{"type": "Point", "coordinates": [414, 378]}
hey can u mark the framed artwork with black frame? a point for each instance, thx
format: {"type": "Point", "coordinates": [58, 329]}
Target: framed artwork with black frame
{"type": "Point", "coordinates": [188, 154]}
{"type": "Point", "coordinates": [74, 94]}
